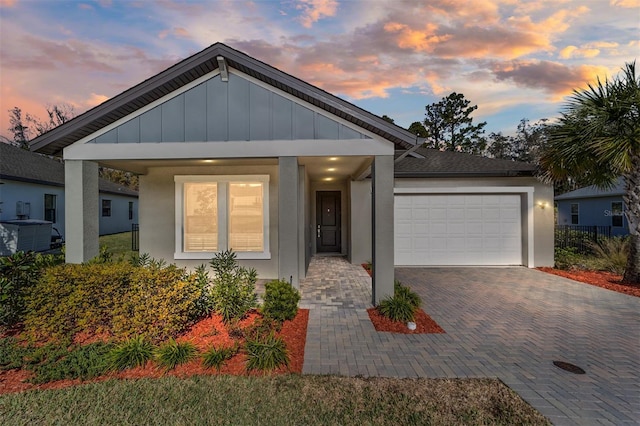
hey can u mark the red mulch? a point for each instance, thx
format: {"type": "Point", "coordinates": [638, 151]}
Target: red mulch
{"type": "Point", "coordinates": [424, 323]}
{"type": "Point", "coordinates": [602, 279]}
{"type": "Point", "coordinates": [208, 332]}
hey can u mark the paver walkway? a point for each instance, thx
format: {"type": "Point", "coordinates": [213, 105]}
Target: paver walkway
{"type": "Point", "coordinates": [509, 323]}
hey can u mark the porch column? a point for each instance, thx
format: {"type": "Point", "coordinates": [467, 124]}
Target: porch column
{"type": "Point", "coordinates": [81, 210]}
{"type": "Point", "coordinates": [288, 247]}
{"type": "Point", "coordinates": [382, 224]}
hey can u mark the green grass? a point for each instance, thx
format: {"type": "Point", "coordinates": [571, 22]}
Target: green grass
{"type": "Point", "coordinates": [118, 244]}
{"type": "Point", "coordinates": [289, 399]}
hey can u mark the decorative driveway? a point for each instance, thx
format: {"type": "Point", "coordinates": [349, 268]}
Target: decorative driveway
{"type": "Point", "coordinates": [509, 323]}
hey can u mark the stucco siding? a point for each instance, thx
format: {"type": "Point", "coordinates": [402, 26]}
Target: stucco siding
{"type": "Point", "coordinates": [360, 199]}
{"type": "Point", "coordinates": [157, 214]}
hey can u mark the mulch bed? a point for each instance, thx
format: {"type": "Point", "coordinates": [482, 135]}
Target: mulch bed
{"type": "Point", "coordinates": [601, 279]}
{"type": "Point", "coordinates": [424, 323]}
{"type": "Point", "coordinates": [208, 332]}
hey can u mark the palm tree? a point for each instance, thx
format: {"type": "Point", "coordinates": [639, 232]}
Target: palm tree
{"type": "Point", "coordinates": [597, 139]}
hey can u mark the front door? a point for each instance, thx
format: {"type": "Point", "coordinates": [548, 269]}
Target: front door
{"type": "Point", "coordinates": [328, 235]}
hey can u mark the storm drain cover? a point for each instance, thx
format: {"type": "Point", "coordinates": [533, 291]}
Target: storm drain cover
{"type": "Point", "coordinates": [569, 367]}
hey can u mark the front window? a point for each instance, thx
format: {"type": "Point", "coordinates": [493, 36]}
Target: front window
{"type": "Point", "coordinates": [616, 214]}
{"type": "Point", "coordinates": [50, 207]}
{"type": "Point", "coordinates": [575, 213]}
{"type": "Point", "coordinates": [106, 208]}
{"type": "Point", "coordinates": [216, 213]}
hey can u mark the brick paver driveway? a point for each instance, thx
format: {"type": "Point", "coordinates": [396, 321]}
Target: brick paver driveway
{"type": "Point", "coordinates": [510, 323]}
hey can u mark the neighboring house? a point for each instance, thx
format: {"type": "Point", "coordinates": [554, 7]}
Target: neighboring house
{"type": "Point", "coordinates": [33, 188]}
{"type": "Point", "coordinates": [235, 154]}
{"type": "Point", "coordinates": [593, 206]}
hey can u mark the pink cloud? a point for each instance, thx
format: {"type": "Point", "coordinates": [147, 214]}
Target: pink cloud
{"type": "Point", "coordinates": [314, 10]}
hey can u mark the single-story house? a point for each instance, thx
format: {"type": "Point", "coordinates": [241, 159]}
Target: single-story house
{"type": "Point", "coordinates": [235, 154]}
{"type": "Point", "coordinates": [594, 206]}
{"type": "Point", "coordinates": [32, 187]}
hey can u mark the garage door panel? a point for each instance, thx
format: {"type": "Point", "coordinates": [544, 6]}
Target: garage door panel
{"type": "Point", "coordinates": [476, 229]}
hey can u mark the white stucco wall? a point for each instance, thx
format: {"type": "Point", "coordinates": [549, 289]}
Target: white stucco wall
{"type": "Point", "coordinates": [157, 213]}
{"type": "Point", "coordinates": [360, 249]}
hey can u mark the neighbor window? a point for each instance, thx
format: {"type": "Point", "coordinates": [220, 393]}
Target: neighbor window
{"type": "Point", "coordinates": [216, 213]}
{"type": "Point", "coordinates": [616, 214]}
{"type": "Point", "coordinates": [106, 208]}
{"type": "Point", "coordinates": [50, 207]}
{"type": "Point", "coordinates": [575, 213]}
{"type": "Point", "coordinates": [130, 210]}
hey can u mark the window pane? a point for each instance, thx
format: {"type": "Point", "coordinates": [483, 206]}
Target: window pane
{"type": "Point", "coordinates": [201, 216]}
{"type": "Point", "coordinates": [574, 208]}
{"type": "Point", "coordinates": [616, 217]}
{"type": "Point", "coordinates": [246, 217]}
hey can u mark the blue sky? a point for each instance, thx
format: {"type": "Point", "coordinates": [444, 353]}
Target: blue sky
{"type": "Point", "coordinates": [514, 59]}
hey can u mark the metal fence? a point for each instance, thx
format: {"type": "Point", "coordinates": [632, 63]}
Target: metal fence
{"type": "Point", "coordinates": [579, 236]}
{"type": "Point", "coordinates": [135, 237]}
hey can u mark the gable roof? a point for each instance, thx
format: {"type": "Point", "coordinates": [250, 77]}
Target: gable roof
{"type": "Point", "coordinates": [194, 67]}
{"type": "Point", "coordinates": [595, 192]}
{"type": "Point", "coordinates": [434, 163]}
{"type": "Point", "coordinates": [24, 166]}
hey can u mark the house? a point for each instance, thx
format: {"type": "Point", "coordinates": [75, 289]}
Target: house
{"type": "Point", "coordinates": [235, 154]}
{"type": "Point", "coordinates": [593, 206]}
{"type": "Point", "coordinates": [33, 188]}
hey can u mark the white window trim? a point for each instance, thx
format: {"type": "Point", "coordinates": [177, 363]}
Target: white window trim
{"type": "Point", "coordinates": [222, 218]}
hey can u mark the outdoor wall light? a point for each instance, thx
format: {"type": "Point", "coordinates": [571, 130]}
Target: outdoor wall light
{"type": "Point", "coordinates": [543, 204]}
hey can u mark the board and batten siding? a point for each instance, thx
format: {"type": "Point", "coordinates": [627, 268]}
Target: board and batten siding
{"type": "Point", "coordinates": [237, 110]}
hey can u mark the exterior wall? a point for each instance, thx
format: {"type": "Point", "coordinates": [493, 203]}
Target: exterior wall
{"type": "Point", "coordinates": [13, 191]}
{"type": "Point", "coordinates": [119, 220]}
{"type": "Point", "coordinates": [360, 236]}
{"type": "Point", "coordinates": [592, 212]}
{"type": "Point", "coordinates": [543, 218]}
{"type": "Point", "coordinates": [157, 214]}
{"type": "Point", "coordinates": [344, 211]}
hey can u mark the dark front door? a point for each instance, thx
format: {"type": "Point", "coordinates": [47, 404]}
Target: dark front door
{"type": "Point", "coordinates": [328, 235]}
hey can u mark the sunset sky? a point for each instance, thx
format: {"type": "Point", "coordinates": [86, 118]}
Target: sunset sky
{"type": "Point", "coordinates": [514, 59]}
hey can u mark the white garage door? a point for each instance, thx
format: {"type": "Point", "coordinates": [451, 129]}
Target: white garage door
{"type": "Point", "coordinates": [458, 230]}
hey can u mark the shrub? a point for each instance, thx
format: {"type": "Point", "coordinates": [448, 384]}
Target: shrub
{"type": "Point", "coordinates": [204, 304]}
{"type": "Point", "coordinates": [81, 362]}
{"type": "Point", "coordinates": [216, 357]}
{"type": "Point", "coordinates": [117, 298]}
{"type": "Point", "coordinates": [266, 353]}
{"type": "Point", "coordinates": [233, 290]}
{"type": "Point", "coordinates": [135, 352]}
{"type": "Point", "coordinates": [18, 274]}
{"type": "Point", "coordinates": [567, 258]}
{"type": "Point", "coordinates": [171, 354]}
{"type": "Point", "coordinates": [397, 309]}
{"type": "Point", "coordinates": [12, 354]}
{"type": "Point", "coordinates": [280, 300]}
{"type": "Point", "coordinates": [406, 293]}
{"type": "Point", "coordinates": [611, 254]}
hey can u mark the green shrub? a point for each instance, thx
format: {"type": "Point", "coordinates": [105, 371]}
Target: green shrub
{"type": "Point", "coordinates": [266, 353]}
{"type": "Point", "coordinates": [404, 292]}
{"type": "Point", "coordinates": [116, 298]}
{"type": "Point", "coordinates": [611, 254]}
{"type": "Point", "coordinates": [567, 258]}
{"type": "Point", "coordinates": [18, 274]}
{"type": "Point", "coordinates": [204, 304]}
{"type": "Point", "coordinates": [216, 357]}
{"type": "Point", "coordinates": [280, 300]}
{"type": "Point", "coordinates": [233, 290]}
{"type": "Point", "coordinates": [81, 362]}
{"type": "Point", "coordinates": [135, 352]}
{"type": "Point", "coordinates": [397, 309]}
{"type": "Point", "coordinates": [171, 354]}
{"type": "Point", "coordinates": [12, 354]}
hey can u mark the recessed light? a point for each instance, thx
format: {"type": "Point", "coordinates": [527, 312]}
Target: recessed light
{"type": "Point", "coordinates": [333, 158]}
{"type": "Point", "coordinates": [208, 161]}
{"type": "Point", "coordinates": [332, 169]}
{"type": "Point", "coordinates": [328, 179]}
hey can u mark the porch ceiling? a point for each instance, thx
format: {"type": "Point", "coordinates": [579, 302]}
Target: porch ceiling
{"type": "Point", "coordinates": [318, 168]}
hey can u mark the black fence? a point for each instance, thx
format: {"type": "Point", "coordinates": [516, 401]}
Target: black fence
{"type": "Point", "coordinates": [579, 236]}
{"type": "Point", "coordinates": [135, 237]}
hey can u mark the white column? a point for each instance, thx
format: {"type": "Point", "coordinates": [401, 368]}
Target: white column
{"type": "Point", "coordinates": [81, 210]}
{"type": "Point", "coordinates": [288, 247]}
{"type": "Point", "coordinates": [382, 221]}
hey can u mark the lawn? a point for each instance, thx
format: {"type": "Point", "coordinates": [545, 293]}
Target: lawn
{"type": "Point", "coordinates": [118, 244]}
{"type": "Point", "coordinates": [273, 400]}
